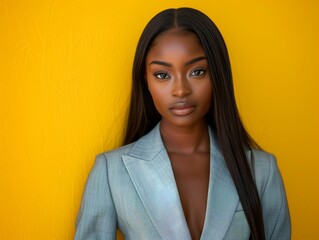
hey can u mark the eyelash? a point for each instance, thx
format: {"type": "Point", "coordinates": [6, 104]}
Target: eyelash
{"type": "Point", "coordinates": [203, 71]}
{"type": "Point", "coordinates": [156, 75]}
{"type": "Point", "coordinates": [159, 75]}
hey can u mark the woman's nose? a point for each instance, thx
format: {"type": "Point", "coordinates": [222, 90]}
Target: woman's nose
{"type": "Point", "coordinates": [181, 88]}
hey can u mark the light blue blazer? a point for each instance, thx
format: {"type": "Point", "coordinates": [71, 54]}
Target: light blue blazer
{"type": "Point", "coordinates": [133, 189]}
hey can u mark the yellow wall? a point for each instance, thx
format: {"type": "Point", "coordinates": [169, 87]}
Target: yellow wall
{"type": "Point", "coordinates": [64, 86]}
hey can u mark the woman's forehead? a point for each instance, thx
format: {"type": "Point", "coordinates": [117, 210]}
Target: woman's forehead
{"type": "Point", "coordinates": [175, 43]}
{"type": "Point", "coordinates": [174, 33]}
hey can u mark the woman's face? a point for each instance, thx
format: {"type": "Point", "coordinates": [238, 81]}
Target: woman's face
{"type": "Point", "coordinates": [178, 78]}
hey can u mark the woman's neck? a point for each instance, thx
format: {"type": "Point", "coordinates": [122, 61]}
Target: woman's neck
{"type": "Point", "coordinates": [185, 140]}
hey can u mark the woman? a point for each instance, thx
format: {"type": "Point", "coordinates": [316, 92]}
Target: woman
{"type": "Point", "coordinates": [188, 168]}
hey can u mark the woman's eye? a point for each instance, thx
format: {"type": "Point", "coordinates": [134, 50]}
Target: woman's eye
{"type": "Point", "coordinates": [161, 75]}
{"type": "Point", "coordinates": [198, 72]}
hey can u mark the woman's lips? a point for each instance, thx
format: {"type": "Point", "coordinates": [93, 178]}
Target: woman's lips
{"type": "Point", "coordinates": [182, 108]}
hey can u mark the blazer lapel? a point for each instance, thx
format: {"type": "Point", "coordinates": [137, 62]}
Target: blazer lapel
{"type": "Point", "coordinates": [150, 170]}
{"type": "Point", "coordinates": [149, 167]}
{"type": "Point", "coordinates": [222, 195]}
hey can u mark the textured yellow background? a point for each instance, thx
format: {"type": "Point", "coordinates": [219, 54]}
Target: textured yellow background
{"type": "Point", "coordinates": [64, 84]}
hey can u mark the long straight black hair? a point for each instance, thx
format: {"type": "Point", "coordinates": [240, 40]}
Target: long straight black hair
{"type": "Point", "coordinates": [223, 116]}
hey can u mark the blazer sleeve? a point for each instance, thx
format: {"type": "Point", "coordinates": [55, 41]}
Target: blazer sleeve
{"type": "Point", "coordinates": [275, 207]}
{"type": "Point", "coordinates": [96, 218]}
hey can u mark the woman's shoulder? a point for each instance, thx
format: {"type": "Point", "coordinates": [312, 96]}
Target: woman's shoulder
{"type": "Point", "coordinates": [265, 169]}
{"type": "Point", "coordinates": [272, 194]}
{"type": "Point", "coordinates": [116, 153]}
{"type": "Point", "coordinates": [261, 160]}
{"type": "Point", "coordinates": [111, 160]}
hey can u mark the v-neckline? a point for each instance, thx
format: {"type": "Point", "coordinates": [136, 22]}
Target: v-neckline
{"type": "Point", "coordinates": [186, 186]}
{"type": "Point", "coordinates": [151, 173]}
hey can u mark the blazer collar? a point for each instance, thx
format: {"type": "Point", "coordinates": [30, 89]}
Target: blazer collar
{"type": "Point", "coordinates": [148, 146]}
{"type": "Point", "coordinates": [151, 172]}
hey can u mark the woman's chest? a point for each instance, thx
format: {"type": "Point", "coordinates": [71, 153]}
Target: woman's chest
{"type": "Point", "coordinates": [191, 174]}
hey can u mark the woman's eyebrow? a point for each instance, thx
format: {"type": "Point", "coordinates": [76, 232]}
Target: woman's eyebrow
{"type": "Point", "coordinates": [166, 64]}
{"type": "Point", "coordinates": [195, 60]}
{"type": "Point", "coordinates": [161, 63]}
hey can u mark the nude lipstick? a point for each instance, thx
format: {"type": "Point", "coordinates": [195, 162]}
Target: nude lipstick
{"type": "Point", "coordinates": [182, 108]}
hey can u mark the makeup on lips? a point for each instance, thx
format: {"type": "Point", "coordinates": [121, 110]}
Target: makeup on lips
{"type": "Point", "coordinates": [182, 108]}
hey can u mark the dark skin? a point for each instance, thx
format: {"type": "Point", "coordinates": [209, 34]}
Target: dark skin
{"type": "Point", "coordinates": [190, 165]}
{"type": "Point", "coordinates": [179, 82]}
